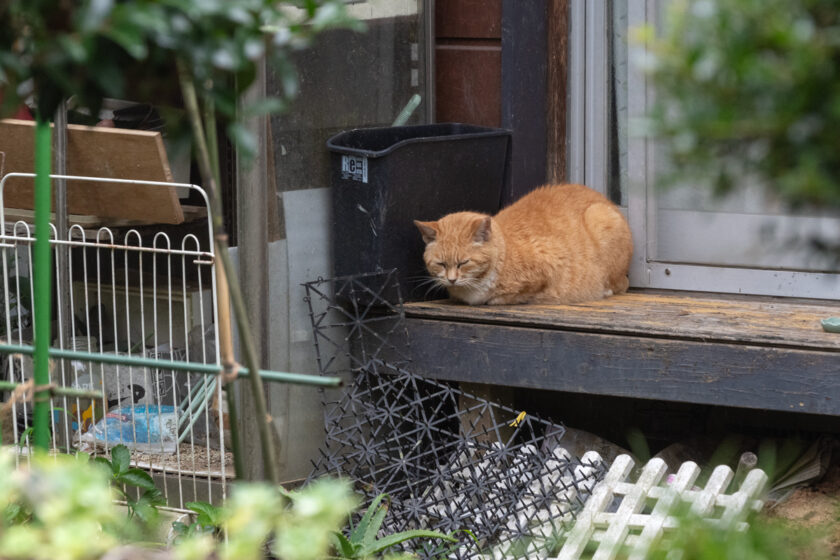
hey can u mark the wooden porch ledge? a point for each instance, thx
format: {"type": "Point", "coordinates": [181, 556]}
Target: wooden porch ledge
{"type": "Point", "coordinates": [738, 319]}
{"type": "Point", "coordinates": [752, 352]}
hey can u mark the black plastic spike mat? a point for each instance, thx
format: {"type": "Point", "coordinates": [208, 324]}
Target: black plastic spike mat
{"type": "Point", "coordinates": [498, 478]}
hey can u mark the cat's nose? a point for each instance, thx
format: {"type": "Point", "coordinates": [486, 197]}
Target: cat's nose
{"type": "Point", "coordinates": [452, 280]}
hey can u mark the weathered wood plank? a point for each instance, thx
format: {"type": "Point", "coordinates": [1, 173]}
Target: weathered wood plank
{"type": "Point", "coordinates": [113, 153]}
{"type": "Point", "coordinates": [756, 321]}
{"type": "Point", "coordinates": [724, 374]}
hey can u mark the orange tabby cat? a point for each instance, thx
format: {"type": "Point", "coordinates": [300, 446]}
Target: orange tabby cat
{"type": "Point", "coordinates": [557, 244]}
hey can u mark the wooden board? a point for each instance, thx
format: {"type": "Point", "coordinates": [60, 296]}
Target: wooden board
{"type": "Point", "coordinates": [747, 320]}
{"type": "Point", "coordinates": [98, 152]}
{"type": "Point", "coordinates": [736, 375]}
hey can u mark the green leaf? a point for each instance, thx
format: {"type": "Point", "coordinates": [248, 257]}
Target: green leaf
{"type": "Point", "coordinates": [373, 527]}
{"type": "Point", "coordinates": [103, 464]}
{"type": "Point", "coordinates": [11, 513]}
{"type": "Point", "coordinates": [155, 497]}
{"type": "Point", "coordinates": [145, 508]}
{"type": "Point", "coordinates": [208, 514]}
{"type": "Point", "coordinates": [139, 478]}
{"type": "Point", "coordinates": [264, 106]}
{"type": "Point", "coordinates": [93, 13]}
{"type": "Point", "coordinates": [357, 535]}
{"type": "Point", "coordinates": [131, 40]}
{"type": "Point", "coordinates": [397, 538]}
{"type": "Point", "coordinates": [242, 139]}
{"type": "Point", "coordinates": [24, 435]}
{"type": "Point", "coordinates": [120, 459]}
{"type": "Point", "coordinates": [348, 549]}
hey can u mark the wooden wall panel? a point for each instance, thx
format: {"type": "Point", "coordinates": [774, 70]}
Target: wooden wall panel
{"type": "Point", "coordinates": [474, 19]}
{"type": "Point", "coordinates": [468, 84]}
{"type": "Point", "coordinates": [468, 61]}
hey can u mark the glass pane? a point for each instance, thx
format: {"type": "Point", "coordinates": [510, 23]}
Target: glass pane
{"type": "Point", "coordinates": [618, 50]}
{"type": "Point", "coordinates": [350, 80]}
{"type": "Point", "coordinates": [748, 229]}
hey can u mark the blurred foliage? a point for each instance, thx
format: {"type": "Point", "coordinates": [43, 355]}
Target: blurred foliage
{"type": "Point", "coordinates": [58, 507]}
{"type": "Point", "coordinates": [764, 539]}
{"type": "Point", "coordinates": [750, 88]}
{"type": "Point", "coordinates": [91, 49]}
{"type": "Point", "coordinates": [363, 540]}
{"type": "Point", "coordinates": [208, 521]}
{"type": "Point", "coordinates": [135, 486]}
{"type": "Point", "coordinates": [63, 507]}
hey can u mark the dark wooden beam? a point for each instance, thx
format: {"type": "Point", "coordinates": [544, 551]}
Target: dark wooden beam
{"type": "Point", "coordinates": [558, 68]}
{"type": "Point", "coordinates": [723, 374]}
{"type": "Point", "coordinates": [524, 89]}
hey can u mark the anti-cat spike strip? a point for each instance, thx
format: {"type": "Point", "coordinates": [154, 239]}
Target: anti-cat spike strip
{"type": "Point", "coordinates": [415, 439]}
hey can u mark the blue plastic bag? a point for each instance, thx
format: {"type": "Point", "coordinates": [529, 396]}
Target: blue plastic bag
{"type": "Point", "coordinates": [145, 427]}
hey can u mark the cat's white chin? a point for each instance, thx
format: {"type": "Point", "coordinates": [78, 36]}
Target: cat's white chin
{"type": "Point", "coordinates": [470, 296]}
{"type": "Point", "coordinates": [474, 294]}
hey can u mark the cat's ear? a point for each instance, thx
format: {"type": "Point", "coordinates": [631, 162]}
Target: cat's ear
{"type": "Point", "coordinates": [482, 230]}
{"type": "Point", "coordinates": [427, 230]}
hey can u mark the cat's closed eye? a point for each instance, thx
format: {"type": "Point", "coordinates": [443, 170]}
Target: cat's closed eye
{"type": "Point", "coordinates": [462, 263]}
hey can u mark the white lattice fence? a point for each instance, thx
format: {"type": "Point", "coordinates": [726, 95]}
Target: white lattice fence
{"type": "Point", "coordinates": [646, 507]}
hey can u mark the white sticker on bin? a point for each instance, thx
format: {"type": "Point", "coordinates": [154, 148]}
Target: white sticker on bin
{"type": "Point", "coordinates": [354, 168]}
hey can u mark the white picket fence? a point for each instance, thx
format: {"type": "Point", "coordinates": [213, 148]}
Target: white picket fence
{"type": "Point", "coordinates": [646, 507]}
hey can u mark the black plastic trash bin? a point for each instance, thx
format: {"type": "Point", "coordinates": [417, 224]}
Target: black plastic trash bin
{"type": "Point", "coordinates": [384, 178]}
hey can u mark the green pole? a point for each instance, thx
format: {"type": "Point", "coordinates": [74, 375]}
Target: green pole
{"type": "Point", "coordinates": [138, 361]}
{"type": "Point", "coordinates": [43, 276]}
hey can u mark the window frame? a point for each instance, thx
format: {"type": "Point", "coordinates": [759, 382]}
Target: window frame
{"type": "Point", "coordinates": [590, 120]}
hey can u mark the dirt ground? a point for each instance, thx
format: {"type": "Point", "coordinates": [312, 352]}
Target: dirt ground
{"type": "Point", "coordinates": [815, 507]}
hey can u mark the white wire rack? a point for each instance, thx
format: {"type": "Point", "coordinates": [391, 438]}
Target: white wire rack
{"type": "Point", "coordinates": [134, 292]}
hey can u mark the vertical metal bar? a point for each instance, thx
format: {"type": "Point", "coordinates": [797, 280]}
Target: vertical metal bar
{"type": "Point", "coordinates": [88, 338]}
{"type": "Point", "coordinates": [597, 113]}
{"type": "Point", "coordinates": [63, 302]}
{"type": "Point", "coordinates": [62, 253]}
{"type": "Point", "coordinates": [43, 279]}
{"type": "Point", "coordinates": [171, 315]}
{"type": "Point", "coordinates": [77, 411]}
{"type": "Point", "coordinates": [53, 396]}
{"type": "Point", "coordinates": [189, 393]}
{"type": "Point", "coordinates": [158, 373]}
{"type": "Point", "coordinates": [429, 49]}
{"type": "Point", "coordinates": [577, 93]}
{"type": "Point", "coordinates": [99, 337]}
{"type": "Point", "coordinates": [115, 321]}
{"type": "Point", "coordinates": [7, 320]}
{"type": "Point", "coordinates": [31, 291]}
{"type": "Point", "coordinates": [65, 313]}
{"type": "Point", "coordinates": [639, 162]}
{"type": "Point", "coordinates": [128, 325]}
